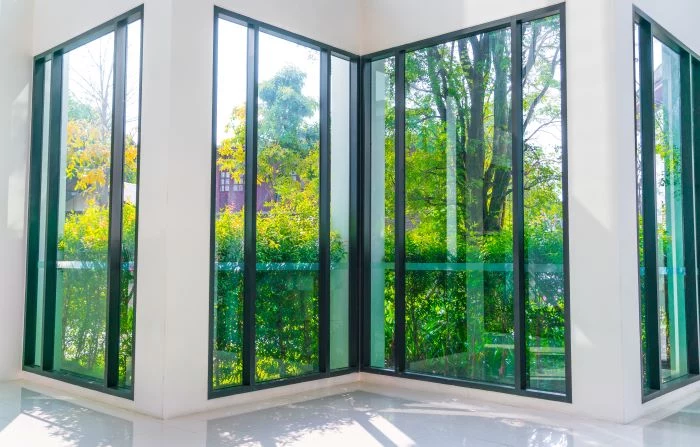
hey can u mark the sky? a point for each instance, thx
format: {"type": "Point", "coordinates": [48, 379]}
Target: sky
{"type": "Point", "coordinates": [274, 54]}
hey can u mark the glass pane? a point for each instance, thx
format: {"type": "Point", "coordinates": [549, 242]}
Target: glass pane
{"type": "Point", "coordinates": [287, 216]}
{"type": "Point", "coordinates": [640, 209]}
{"type": "Point", "coordinates": [543, 206]}
{"type": "Point", "coordinates": [41, 260]}
{"type": "Point", "coordinates": [669, 214]}
{"type": "Point", "coordinates": [230, 167]}
{"type": "Point", "coordinates": [340, 212]}
{"type": "Point", "coordinates": [459, 212]}
{"type": "Point", "coordinates": [129, 206]}
{"type": "Point", "coordinates": [83, 218]}
{"type": "Point", "coordinates": [382, 214]}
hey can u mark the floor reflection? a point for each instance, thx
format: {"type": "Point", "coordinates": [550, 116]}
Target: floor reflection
{"type": "Point", "coordinates": [40, 420]}
{"type": "Point", "coordinates": [362, 418]}
{"type": "Point", "coordinates": [679, 429]}
{"type": "Point", "coordinates": [363, 415]}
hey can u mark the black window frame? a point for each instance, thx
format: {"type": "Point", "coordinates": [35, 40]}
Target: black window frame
{"type": "Point", "coordinates": [515, 23]}
{"type": "Point", "coordinates": [254, 27]}
{"type": "Point", "coordinates": [110, 382]}
{"type": "Point", "coordinates": [690, 178]}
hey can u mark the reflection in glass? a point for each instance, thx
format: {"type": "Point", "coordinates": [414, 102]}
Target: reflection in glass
{"type": "Point", "coordinates": [83, 217]}
{"type": "Point", "coordinates": [382, 213]}
{"type": "Point", "coordinates": [229, 200]}
{"type": "Point", "coordinates": [287, 216]}
{"type": "Point", "coordinates": [669, 213]}
{"type": "Point", "coordinates": [640, 209]}
{"type": "Point", "coordinates": [543, 206]}
{"type": "Point", "coordinates": [340, 212]}
{"type": "Point", "coordinates": [41, 258]}
{"type": "Point", "coordinates": [129, 205]}
{"type": "Point", "coordinates": [459, 225]}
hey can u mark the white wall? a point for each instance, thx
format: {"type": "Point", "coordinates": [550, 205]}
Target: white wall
{"type": "Point", "coordinates": [388, 23]}
{"type": "Point", "coordinates": [333, 22]}
{"type": "Point", "coordinates": [679, 18]}
{"type": "Point", "coordinates": [15, 93]}
{"type": "Point", "coordinates": [189, 159]}
{"type": "Point", "coordinates": [601, 214]}
{"type": "Point", "coordinates": [173, 286]}
{"type": "Point", "coordinates": [172, 317]}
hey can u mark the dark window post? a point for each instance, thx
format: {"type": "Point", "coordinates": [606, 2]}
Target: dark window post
{"type": "Point", "coordinates": [519, 302]}
{"type": "Point", "coordinates": [115, 207]}
{"type": "Point", "coordinates": [324, 305]}
{"type": "Point", "coordinates": [646, 95]}
{"type": "Point", "coordinates": [251, 155]}
{"type": "Point", "coordinates": [400, 214]}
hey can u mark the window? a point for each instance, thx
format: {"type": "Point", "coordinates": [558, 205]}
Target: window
{"type": "Point", "coordinates": [287, 226]}
{"type": "Point", "coordinates": [82, 243]}
{"type": "Point", "coordinates": [382, 234]}
{"type": "Point", "coordinates": [665, 195]}
{"type": "Point", "coordinates": [467, 226]}
{"type": "Point", "coordinates": [282, 254]}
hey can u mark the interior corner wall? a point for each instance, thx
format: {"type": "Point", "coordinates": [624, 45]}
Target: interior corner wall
{"type": "Point", "coordinates": [15, 94]}
{"type": "Point", "coordinates": [189, 177]}
{"type": "Point", "coordinates": [389, 23]}
{"type": "Point", "coordinates": [57, 22]}
{"type": "Point", "coordinates": [172, 306]}
{"type": "Point", "coordinates": [678, 17]}
{"type": "Point", "coordinates": [332, 22]}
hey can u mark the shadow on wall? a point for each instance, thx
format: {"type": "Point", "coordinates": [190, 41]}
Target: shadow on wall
{"type": "Point", "coordinates": [15, 81]}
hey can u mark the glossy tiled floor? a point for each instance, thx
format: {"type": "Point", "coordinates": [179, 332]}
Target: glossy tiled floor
{"type": "Point", "coordinates": [366, 416]}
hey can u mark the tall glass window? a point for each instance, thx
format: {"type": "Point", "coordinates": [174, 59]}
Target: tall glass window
{"type": "Point", "coordinates": [459, 227]}
{"type": "Point", "coordinates": [132, 131]}
{"type": "Point", "coordinates": [282, 229]}
{"type": "Point", "coordinates": [288, 210]}
{"type": "Point", "coordinates": [83, 208]}
{"type": "Point", "coordinates": [340, 212]}
{"type": "Point", "coordinates": [382, 226]}
{"type": "Point", "coordinates": [670, 261]}
{"type": "Point", "coordinates": [666, 208]}
{"type": "Point", "coordinates": [544, 206]}
{"type": "Point", "coordinates": [467, 224]}
{"type": "Point", "coordinates": [83, 221]}
{"type": "Point", "coordinates": [230, 125]}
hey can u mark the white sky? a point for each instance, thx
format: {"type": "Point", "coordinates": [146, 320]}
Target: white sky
{"type": "Point", "coordinates": [83, 71]}
{"type": "Point", "coordinates": [274, 54]}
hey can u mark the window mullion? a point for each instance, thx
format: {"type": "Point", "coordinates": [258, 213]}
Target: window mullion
{"type": "Point", "coordinates": [325, 215]}
{"type": "Point", "coordinates": [688, 213]}
{"type": "Point", "coordinates": [519, 300]}
{"type": "Point", "coordinates": [650, 298]}
{"type": "Point", "coordinates": [34, 224]}
{"type": "Point", "coordinates": [53, 194]}
{"type": "Point", "coordinates": [116, 206]}
{"type": "Point", "coordinates": [251, 155]}
{"type": "Point", "coordinates": [400, 214]}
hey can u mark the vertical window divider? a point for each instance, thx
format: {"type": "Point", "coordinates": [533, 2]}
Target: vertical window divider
{"type": "Point", "coordinates": [519, 301]}
{"type": "Point", "coordinates": [646, 96]}
{"type": "Point", "coordinates": [688, 214]}
{"type": "Point", "coordinates": [324, 214]}
{"type": "Point", "coordinates": [33, 225]}
{"type": "Point", "coordinates": [400, 214]}
{"type": "Point", "coordinates": [251, 154]}
{"type": "Point", "coordinates": [565, 200]}
{"type": "Point", "coordinates": [116, 206]}
{"type": "Point", "coordinates": [54, 160]}
{"type": "Point", "coordinates": [212, 215]}
{"type": "Point", "coordinates": [355, 215]}
{"type": "Point", "coordinates": [695, 105]}
{"type": "Point", "coordinates": [366, 191]}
